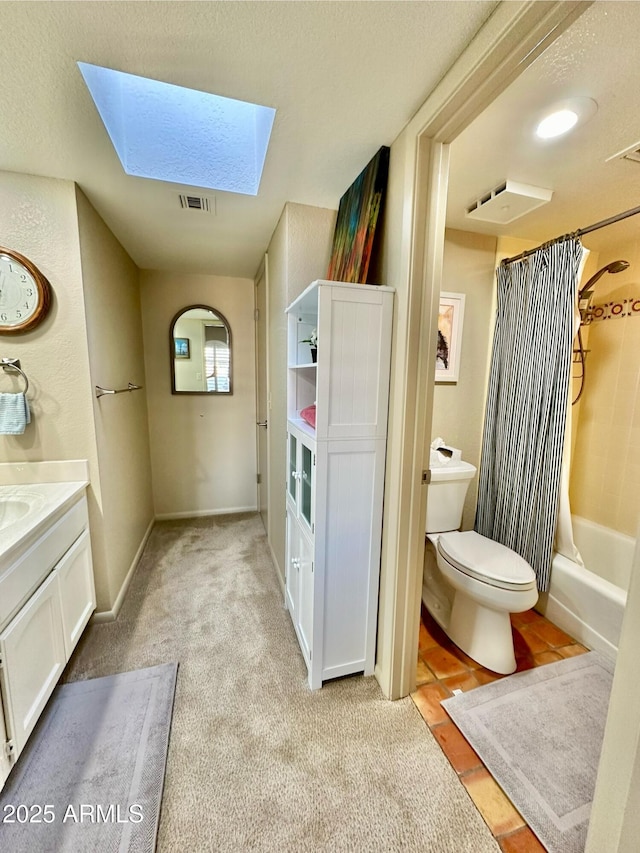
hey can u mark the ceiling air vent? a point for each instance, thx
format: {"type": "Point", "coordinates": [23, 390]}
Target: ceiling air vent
{"type": "Point", "coordinates": [508, 201]}
{"type": "Point", "coordinates": [197, 202]}
{"type": "Point", "coordinates": [631, 153]}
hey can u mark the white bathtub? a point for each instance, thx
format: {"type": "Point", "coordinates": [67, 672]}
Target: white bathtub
{"type": "Point", "coordinates": [588, 601]}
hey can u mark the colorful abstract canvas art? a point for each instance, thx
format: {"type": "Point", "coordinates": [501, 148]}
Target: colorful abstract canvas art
{"type": "Point", "coordinates": [358, 215]}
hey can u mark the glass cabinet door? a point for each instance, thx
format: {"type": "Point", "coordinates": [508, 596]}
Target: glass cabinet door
{"type": "Point", "coordinates": [307, 483]}
{"type": "Point", "coordinates": [293, 457]}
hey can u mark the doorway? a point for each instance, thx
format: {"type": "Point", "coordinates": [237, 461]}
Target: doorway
{"type": "Point", "coordinates": [262, 394]}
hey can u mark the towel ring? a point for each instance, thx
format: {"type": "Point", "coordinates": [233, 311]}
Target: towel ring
{"type": "Point", "coordinates": [14, 364]}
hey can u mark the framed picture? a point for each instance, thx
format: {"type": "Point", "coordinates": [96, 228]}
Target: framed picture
{"type": "Point", "coordinates": [359, 212]}
{"type": "Point", "coordinates": [450, 318]}
{"type": "Point", "coordinates": [181, 348]}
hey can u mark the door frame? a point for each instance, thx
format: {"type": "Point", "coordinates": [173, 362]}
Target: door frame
{"type": "Point", "coordinates": [263, 324]}
{"type": "Point", "coordinates": [510, 40]}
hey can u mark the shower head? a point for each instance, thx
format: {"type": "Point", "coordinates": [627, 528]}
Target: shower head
{"type": "Point", "coordinates": [584, 298]}
{"type": "Point", "coordinates": [617, 266]}
{"type": "Point", "coordinates": [614, 267]}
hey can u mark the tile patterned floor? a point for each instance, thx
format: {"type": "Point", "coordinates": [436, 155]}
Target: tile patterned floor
{"type": "Point", "coordinates": [443, 668]}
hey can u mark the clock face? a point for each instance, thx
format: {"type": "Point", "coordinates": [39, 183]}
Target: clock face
{"type": "Point", "coordinates": [24, 293]}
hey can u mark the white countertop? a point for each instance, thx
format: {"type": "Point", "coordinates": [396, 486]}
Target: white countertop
{"type": "Point", "coordinates": [46, 501]}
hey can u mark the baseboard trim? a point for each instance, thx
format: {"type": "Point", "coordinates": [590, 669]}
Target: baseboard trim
{"type": "Point", "coordinates": [112, 615]}
{"type": "Point", "coordinates": [277, 568]}
{"type": "Point", "coordinates": [168, 516]}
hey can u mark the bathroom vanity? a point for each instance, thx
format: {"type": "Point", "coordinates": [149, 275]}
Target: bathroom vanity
{"type": "Point", "coordinates": [47, 596]}
{"type": "Point", "coordinates": [336, 448]}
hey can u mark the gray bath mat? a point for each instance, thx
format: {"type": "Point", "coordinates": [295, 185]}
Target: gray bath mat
{"type": "Point", "coordinates": [91, 776]}
{"type": "Point", "coordinates": [540, 734]}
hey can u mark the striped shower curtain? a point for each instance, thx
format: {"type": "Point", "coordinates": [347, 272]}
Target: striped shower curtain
{"type": "Point", "coordinates": [526, 413]}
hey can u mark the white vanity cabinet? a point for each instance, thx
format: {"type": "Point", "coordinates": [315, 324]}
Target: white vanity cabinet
{"type": "Point", "coordinates": [335, 473]}
{"type": "Point", "coordinates": [33, 657]}
{"type": "Point", "coordinates": [47, 596]}
{"type": "Point", "coordinates": [77, 591]}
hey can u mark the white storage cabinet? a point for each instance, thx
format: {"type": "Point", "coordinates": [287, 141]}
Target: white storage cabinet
{"type": "Point", "coordinates": [40, 627]}
{"type": "Point", "coordinates": [335, 473]}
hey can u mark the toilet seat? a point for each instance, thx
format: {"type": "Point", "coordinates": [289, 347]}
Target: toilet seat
{"type": "Point", "coordinates": [485, 560]}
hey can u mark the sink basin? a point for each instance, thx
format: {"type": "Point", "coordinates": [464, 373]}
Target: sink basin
{"type": "Point", "coordinates": [26, 510]}
{"type": "Point", "coordinates": [17, 504]}
{"type": "Point", "coordinates": [12, 510]}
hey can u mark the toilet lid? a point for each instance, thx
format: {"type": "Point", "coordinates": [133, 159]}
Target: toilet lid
{"type": "Point", "coordinates": [486, 560]}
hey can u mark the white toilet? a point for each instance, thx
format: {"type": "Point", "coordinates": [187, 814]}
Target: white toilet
{"type": "Point", "coordinates": [471, 584]}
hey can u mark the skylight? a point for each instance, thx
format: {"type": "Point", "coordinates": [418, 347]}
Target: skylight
{"type": "Point", "coordinates": [169, 133]}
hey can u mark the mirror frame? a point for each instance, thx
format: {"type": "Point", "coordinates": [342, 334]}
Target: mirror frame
{"type": "Point", "coordinates": [225, 322]}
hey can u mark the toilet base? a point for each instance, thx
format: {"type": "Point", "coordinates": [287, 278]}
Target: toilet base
{"type": "Point", "coordinates": [482, 633]}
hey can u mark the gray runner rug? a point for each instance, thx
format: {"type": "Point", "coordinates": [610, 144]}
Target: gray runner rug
{"type": "Point", "coordinates": [91, 776]}
{"type": "Point", "coordinates": [540, 734]}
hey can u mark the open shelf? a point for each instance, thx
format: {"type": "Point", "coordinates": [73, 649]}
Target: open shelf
{"type": "Point", "coordinates": [303, 426]}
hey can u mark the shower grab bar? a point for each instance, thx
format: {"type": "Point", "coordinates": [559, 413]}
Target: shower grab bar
{"type": "Point", "coordinates": [14, 364]}
{"type": "Point", "coordinates": [100, 392]}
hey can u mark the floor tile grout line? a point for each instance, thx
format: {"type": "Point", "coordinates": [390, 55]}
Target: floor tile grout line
{"type": "Point", "coordinates": [526, 660]}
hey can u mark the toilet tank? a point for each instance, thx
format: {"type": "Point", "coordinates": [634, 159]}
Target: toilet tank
{"type": "Point", "coordinates": [446, 493]}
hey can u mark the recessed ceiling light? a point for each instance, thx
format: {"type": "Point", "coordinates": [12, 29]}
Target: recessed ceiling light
{"type": "Point", "coordinates": [170, 133]}
{"type": "Point", "coordinates": [565, 116]}
{"type": "Point", "coordinates": [556, 124]}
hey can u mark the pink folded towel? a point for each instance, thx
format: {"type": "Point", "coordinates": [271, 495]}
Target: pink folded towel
{"type": "Point", "coordinates": [309, 415]}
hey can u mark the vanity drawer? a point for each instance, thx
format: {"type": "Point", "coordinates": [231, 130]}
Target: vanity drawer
{"type": "Point", "coordinates": [24, 576]}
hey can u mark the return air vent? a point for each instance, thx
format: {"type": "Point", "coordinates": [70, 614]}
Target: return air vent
{"type": "Point", "coordinates": [197, 202]}
{"type": "Point", "coordinates": [508, 201]}
{"type": "Point", "coordinates": [631, 153]}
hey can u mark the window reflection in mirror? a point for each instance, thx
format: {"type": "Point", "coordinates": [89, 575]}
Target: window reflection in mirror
{"type": "Point", "coordinates": [200, 352]}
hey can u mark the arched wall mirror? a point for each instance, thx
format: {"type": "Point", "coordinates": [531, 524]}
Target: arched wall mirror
{"type": "Point", "coordinates": [200, 340]}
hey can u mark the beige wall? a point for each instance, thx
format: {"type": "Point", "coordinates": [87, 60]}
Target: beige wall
{"type": "Point", "coordinates": [277, 342]}
{"type": "Point", "coordinates": [395, 596]}
{"type": "Point", "coordinates": [298, 254]}
{"type": "Point", "coordinates": [203, 447]}
{"type": "Point", "coordinates": [605, 471]}
{"type": "Point", "coordinates": [114, 332]}
{"type": "Point", "coordinates": [54, 225]}
{"type": "Point", "coordinates": [38, 218]}
{"type": "Point", "coordinates": [458, 408]}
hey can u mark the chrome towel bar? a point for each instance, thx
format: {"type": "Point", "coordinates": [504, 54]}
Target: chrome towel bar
{"type": "Point", "coordinates": [100, 392]}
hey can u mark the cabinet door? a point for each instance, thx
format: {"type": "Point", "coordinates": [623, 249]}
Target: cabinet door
{"type": "Point", "coordinates": [292, 466]}
{"type": "Point", "coordinates": [33, 657]}
{"type": "Point", "coordinates": [6, 763]}
{"type": "Point", "coordinates": [77, 592]}
{"type": "Point", "coordinates": [292, 572]}
{"type": "Point", "coordinates": [305, 609]}
{"type": "Point", "coordinates": [307, 465]}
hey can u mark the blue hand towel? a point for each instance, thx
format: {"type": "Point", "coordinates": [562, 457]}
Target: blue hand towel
{"type": "Point", "coordinates": [14, 414]}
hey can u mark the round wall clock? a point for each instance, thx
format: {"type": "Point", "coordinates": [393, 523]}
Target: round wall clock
{"type": "Point", "coordinates": [25, 294]}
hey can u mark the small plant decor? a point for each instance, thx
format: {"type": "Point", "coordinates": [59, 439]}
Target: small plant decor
{"type": "Point", "coordinates": [312, 340]}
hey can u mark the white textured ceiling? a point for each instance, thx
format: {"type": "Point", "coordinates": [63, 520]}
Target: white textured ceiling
{"type": "Point", "coordinates": [344, 77]}
{"type": "Point", "coordinates": [597, 57]}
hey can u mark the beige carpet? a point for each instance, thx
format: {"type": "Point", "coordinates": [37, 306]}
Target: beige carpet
{"type": "Point", "coordinates": [257, 761]}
